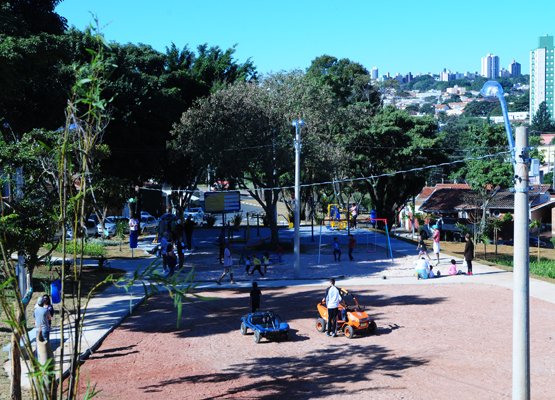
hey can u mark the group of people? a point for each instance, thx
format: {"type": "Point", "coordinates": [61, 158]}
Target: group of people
{"type": "Point", "coordinates": [336, 246]}
{"type": "Point", "coordinates": [425, 270]}
{"type": "Point", "coordinates": [173, 244]}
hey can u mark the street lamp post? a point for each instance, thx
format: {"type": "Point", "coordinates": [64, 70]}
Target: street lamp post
{"type": "Point", "coordinates": [492, 91]}
{"type": "Point", "coordinates": [298, 125]}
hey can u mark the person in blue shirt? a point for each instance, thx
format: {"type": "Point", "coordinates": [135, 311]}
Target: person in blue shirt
{"type": "Point", "coordinates": [336, 249]}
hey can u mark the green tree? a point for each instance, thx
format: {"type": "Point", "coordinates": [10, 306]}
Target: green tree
{"type": "Point", "coordinates": [349, 80]}
{"type": "Point", "coordinates": [542, 121]}
{"type": "Point", "coordinates": [412, 108]}
{"type": "Point", "coordinates": [485, 175]}
{"type": "Point", "coordinates": [405, 138]}
{"type": "Point", "coordinates": [427, 108]}
{"type": "Point", "coordinates": [479, 108]}
{"type": "Point", "coordinates": [253, 120]}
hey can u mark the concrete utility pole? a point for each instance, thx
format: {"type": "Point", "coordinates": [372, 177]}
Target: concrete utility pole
{"type": "Point", "coordinates": [297, 266]}
{"type": "Point", "coordinates": [521, 259]}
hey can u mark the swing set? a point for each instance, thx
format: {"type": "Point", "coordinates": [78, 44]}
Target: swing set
{"type": "Point", "coordinates": [371, 238]}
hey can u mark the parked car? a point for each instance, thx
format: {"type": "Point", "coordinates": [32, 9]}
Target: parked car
{"type": "Point", "coordinates": [89, 230]}
{"type": "Point", "coordinates": [533, 241]}
{"type": "Point", "coordinates": [111, 227]}
{"type": "Point", "coordinates": [148, 224]}
{"type": "Point", "coordinates": [196, 214]}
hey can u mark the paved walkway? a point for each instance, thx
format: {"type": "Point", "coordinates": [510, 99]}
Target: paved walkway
{"type": "Point", "coordinates": [106, 311]}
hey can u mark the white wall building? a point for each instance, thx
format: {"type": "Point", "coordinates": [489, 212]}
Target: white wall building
{"type": "Point", "coordinates": [490, 66]}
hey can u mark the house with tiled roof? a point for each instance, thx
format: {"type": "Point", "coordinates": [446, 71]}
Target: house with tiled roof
{"type": "Point", "coordinates": [461, 202]}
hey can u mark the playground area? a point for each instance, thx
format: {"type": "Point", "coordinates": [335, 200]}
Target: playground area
{"type": "Point", "coordinates": [433, 342]}
{"type": "Point", "coordinates": [366, 264]}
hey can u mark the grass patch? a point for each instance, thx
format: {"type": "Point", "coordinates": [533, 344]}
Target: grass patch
{"type": "Point", "coordinates": [93, 249]}
{"type": "Point", "coordinates": [545, 267]}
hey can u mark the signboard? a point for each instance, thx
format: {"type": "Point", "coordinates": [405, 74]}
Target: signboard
{"type": "Point", "coordinates": [222, 202]}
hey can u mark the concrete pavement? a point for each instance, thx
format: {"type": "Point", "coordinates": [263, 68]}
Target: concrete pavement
{"type": "Point", "coordinates": [106, 311]}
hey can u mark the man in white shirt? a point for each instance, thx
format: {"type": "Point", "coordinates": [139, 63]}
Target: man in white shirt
{"type": "Point", "coordinates": [332, 299]}
{"type": "Point", "coordinates": [421, 268]}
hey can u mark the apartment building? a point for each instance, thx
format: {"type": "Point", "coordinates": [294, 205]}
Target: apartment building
{"type": "Point", "coordinates": [541, 75]}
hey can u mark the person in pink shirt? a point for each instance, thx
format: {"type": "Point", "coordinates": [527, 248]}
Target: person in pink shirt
{"type": "Point", "coordinates": [435, 237]}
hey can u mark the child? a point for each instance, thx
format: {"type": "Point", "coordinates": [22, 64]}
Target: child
{"type": "Point", "coordinates": [279, 252]}
{"type": "Point", "coordinates": [453, 268]}
{"type": "Point", "coordinates": [352, 242]}
{"type": "Point", "coordinates": [256, 263]}
{"type": "Point", "coordinates": [248, 264]}
{"type": "Point", "coordinates": [171, 260]}
{"type": "Point", "coordinates": [423, 249]}
{"type": "Point", "coordinates": [266, 261]}
{"type": "Point", "coordinates": [431, 273]}
{"type": "Point", "coordinates": [336, 249]}
{"type": "Point", "coordinates": [254, 300]}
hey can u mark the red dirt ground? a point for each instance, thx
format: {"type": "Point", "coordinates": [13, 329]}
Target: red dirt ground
{"type": "Point", "coordinates": [433, 342]}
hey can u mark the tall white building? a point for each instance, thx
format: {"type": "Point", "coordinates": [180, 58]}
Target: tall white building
{"type": "Point", "coordinates": [541, 75]}
{"type": "Point", "coordinates": [490, 66]}
{"type": "Point", "coordinates": [375, 73]}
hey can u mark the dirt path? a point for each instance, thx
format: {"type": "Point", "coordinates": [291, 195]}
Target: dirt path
{"type": "Point", "coordinates": [433, 342]}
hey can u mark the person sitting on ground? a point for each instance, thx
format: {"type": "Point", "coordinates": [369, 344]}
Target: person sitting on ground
{"type": "Point", "coordinates": [453, 268]}
{"type": "Point", "coordinates": [421, 268]}
{"type": "Point", "coordinates": [431, 272]}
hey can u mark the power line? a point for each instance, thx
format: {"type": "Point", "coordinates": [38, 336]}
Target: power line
{"type": "Point", "coordinates": [391, 173]}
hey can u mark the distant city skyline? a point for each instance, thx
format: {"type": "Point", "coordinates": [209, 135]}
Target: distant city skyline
{"type": "Point", "coordinates": [292, 34]}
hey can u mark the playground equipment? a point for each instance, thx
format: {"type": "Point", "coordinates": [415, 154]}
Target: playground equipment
{"type": "Point", "coordinates": [334, 217]}
{"type": "Point", "coordinates": [376, 237]}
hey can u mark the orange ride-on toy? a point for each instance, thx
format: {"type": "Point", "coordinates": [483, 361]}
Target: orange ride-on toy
{"type": "Point", "coordinates": [350, 320]}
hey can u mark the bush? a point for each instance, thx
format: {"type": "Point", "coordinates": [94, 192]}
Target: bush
{"type": "Point", "coordinates": [89, 249]}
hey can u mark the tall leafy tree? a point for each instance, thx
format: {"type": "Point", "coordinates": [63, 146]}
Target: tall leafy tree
{"type": "Point", "coordinates": [33, 65]}
{"type": "Point", "coordinates": [349, 80]}
{"type": "Point", "coordinates": [244, 131]}
{"type": "Point", "coordinates": [386, 145]}
{"type": "Point", "coordinates": [542, 121]}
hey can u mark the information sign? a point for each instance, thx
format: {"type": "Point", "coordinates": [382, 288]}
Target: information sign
{"type": "Point", "coordinates": [222, 202]}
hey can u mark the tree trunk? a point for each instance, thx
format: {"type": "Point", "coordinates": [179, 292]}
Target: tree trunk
{"type": "Point", "coordinates": [15, 387]}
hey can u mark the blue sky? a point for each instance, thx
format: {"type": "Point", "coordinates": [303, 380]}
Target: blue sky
{"type": "Point", "coordinates": [395, 36]}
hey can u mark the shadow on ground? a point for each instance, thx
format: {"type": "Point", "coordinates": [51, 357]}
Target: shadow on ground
{"type": "Point", "coordinates": [325, 373]}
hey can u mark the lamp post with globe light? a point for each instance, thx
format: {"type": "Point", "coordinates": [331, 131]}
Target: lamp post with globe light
{"type": "Point", "coordinates": [492, 91]}
{"type": "Point", "coordinates": [298, 125]}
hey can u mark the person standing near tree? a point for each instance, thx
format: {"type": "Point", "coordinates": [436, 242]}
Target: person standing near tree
{"type": "Point", "coordinates": [43, 317]}
{"type": "Point", "coordinates": [468, 253]}
{"type": "Point", "coordinates": [188, 229]}
{"type": "Point", "coordinates": [354, 213]}
{"type": "Point", "coordinates": [435, 237]}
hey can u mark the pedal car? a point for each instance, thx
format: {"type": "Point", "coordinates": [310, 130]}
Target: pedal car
{"type": "Point", "coordinates": [265, 324]}
{"type": "Point", "coordinates": [350, 320]}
